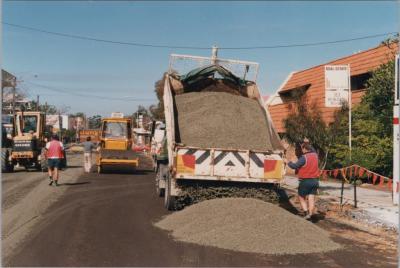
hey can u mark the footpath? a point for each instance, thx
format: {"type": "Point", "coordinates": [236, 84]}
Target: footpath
{"type": "Point", "coordinates": [373, 206]}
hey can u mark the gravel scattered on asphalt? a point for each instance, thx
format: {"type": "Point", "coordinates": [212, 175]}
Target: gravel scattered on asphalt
{"type": "Point", "coordinates": [247, 225]}
{"type": "Point", "coordinates": [222, 120]}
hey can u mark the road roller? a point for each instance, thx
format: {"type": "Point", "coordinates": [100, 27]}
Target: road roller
{"type": "Point", "coordinates": [115, 148]}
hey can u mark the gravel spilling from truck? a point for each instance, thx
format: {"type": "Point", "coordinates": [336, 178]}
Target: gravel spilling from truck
{"type": "Point", "coordinates": [222, 120]}
{"type": "Point", "coordinates": [195, 192]}
{"type": "Point", "coordinates": [247, 225]}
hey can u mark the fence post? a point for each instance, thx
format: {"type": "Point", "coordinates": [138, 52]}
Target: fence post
{"type": "Point", "coordinates": [355, 193]}
{"type": "Point", "coordinates": [341, 194]}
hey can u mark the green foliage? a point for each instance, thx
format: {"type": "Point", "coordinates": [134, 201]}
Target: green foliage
{"type": "Point", "coordinates": [71, 134]}
{"type": "Point", "coordinates": [372, 130]}
{"type": "Point", "coordinates": [94, 121]}
{"type": "Point", "coordinates": [305, 121]}
{"type": "Point", "coordinates": [158, 110]}
{"type": "Point", "coordinates": [48, 109]}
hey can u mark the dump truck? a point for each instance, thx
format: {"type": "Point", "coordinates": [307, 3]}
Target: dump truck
{"type": "Point", "coordinates": [187, 167]}
{"type": "Point", "coordinates": [116, 144]}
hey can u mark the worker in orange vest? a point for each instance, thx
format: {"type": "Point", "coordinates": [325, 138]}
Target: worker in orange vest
{"type": "Point", "coordinates": [55, 154]}
{"type": "Point", "coordinates": [308, 174]}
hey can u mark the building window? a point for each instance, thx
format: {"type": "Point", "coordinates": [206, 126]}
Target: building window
{"type": "Point", "coordinates": [294, 93]}
{"type": "Point", "coordinates": [359, 81]}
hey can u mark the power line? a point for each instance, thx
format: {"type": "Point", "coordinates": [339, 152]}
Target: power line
{"type": "Point", "coordinates": [87, 38]}
{"type": "Point", "coordinates": [128, 99]}
{"type": "Point", "coordinates": [98, 39]}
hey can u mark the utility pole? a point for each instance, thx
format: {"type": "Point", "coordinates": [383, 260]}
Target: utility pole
{"type": "Point", "coordinates": [214, 55]}
{"type": "Point", "coordinates": [396, 135]}
{"type": "Point", "coordinates": [13, 100]}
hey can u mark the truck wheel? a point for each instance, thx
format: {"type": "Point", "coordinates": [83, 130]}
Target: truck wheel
{"type": "Point", "coordinates": [38, 166]}
{"type": "Point", "coordinates": [160, 191]}
{"type": "Point", "coordinates": [10, 167]}
{"type": "Point", "coordinates": [43, 165]}
{"type": "Point", "coordinates": [169, 201]}
{"type": "Point", "coordinates": [6, 164]}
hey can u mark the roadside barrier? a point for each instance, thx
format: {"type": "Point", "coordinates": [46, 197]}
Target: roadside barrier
{"type": "Point", "coordinates": [356, 171]}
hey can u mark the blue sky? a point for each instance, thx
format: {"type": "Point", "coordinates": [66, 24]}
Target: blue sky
{"type": "Point", "coordinates": [87, 67]}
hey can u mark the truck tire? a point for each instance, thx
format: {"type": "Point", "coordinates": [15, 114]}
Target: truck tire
{"type": "Point", "coordinates": [159, 176]}
{"type": "Point", "coordinates": [43, 161]}
{"type": "Point", "coordinates": [4, 160]}
{"type": "Point", "coordinates": [43, 165]}
{"type": "Point", "coordinates": [6, 165]}
{"type": "Point", "coordinates": [169, 201]}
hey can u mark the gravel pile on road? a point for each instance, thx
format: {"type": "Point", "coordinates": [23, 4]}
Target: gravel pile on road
{"type": "Point", "coordinates": [222, 120]}
{"type": "Point", "coordinates": [247, 225]}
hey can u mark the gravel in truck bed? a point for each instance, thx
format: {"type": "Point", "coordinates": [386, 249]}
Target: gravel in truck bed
{"type": "Point", "coordinates": [247, 225]}
{"type": "Point", "coordinates": [221, 120]}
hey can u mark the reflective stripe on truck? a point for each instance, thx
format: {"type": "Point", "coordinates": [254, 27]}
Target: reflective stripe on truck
{"type": "Point", "coordinates": [228, 163]}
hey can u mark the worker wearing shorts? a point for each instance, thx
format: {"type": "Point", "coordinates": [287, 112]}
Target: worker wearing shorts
{"type": "Point", "coordinates": [308, 173]}
{"type": "Point", "coordinates": [55, 154]}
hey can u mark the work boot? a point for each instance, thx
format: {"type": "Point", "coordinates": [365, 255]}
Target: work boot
{"type": "Point", "coordinates": [308, 217]}
{"type": "Point", "coordinates": [302, 213]}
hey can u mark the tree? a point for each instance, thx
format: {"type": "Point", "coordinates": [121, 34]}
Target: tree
{"type": "Point", "coordinates": [157, 111]}
{"type": "Point", "coordinates": [305, 121]}
{"type": "Point", "coordinates": [94, 121]}
{"type": "Point", "coordinates": [48, 109]}
{"type": "Point", "coordinates": [372, 129]}
{"type": "Point", "coordinates": [141, 110]}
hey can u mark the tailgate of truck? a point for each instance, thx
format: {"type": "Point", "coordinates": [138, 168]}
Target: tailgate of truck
{"type": "Point", "coordinates": [229, 165]}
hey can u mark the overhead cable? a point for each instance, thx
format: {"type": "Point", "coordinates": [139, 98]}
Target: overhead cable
{"type": "Point", "coordinates": [88, 38]}
{"type": "Point", "coordinates": [128, 99]}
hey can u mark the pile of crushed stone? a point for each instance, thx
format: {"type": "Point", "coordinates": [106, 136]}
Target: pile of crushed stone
{"type": "Point", "coordinates": [222, 120]}
{"type": "Point", "coordinates": [247, 225]}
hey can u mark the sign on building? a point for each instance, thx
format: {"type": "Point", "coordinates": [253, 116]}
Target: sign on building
{"type": "Point", "coordinates": [337, 85]}
{"type": "Point", "coordinates": [117, 115]}
{"type": "Point", "coordinates": [53, 120]}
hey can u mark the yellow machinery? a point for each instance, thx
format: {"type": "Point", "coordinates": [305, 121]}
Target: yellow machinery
{"type": "Point", "coordinates": [28, 140]}
{"type": "Point", "coordinates": [116, 144]}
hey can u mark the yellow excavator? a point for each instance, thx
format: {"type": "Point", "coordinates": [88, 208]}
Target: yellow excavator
{"type": "Point", "coordinates": [116, 144]}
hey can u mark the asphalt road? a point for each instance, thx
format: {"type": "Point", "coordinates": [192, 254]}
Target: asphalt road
{"type": "Point", "coordinates": [106, 220]}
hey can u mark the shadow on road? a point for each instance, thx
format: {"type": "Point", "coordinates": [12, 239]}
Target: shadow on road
{"type": "Point", "coordinates": [73, 184]}
{"type": "Point", "coordinates": [74, 166]}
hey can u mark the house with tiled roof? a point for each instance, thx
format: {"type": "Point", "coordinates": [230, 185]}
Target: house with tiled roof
{"type": "Point", "coordinates": [311, 82]}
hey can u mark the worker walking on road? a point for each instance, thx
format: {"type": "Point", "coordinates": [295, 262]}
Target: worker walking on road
{"type": "Point", "coordinates": [88, 146]}
{"type": "Point", "coordinates": [308, 173]}
{"type": "Point", "coordinates": [55, 153]}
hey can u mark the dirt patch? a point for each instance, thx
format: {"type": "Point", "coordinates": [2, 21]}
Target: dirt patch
{"type": "Point", "coordinates": [247, 225]}
{"type": "Point", "coordinates": [222, 120]}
